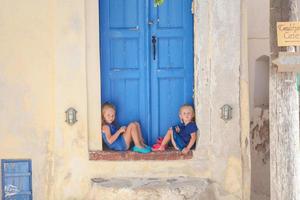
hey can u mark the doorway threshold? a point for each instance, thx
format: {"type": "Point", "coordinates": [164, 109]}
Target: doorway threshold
{"type": "Point", "coordinates": [170, 154]}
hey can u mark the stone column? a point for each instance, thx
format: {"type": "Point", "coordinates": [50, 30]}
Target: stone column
{"type": "Point", "coordinates": [284, 114]}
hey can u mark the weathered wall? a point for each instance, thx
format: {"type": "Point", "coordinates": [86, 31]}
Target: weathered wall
{"type": "Point", "coordinates": [258, 59]}
{"type": "Point", "coordinates": [53, 66]}
{"type": "Point", "coordinates": [258, 46]}
{"type": "Point", "coordinates": [244, 104]}
{"type": "Point", "coordinates": [218, 59]}
{"type": "Point", "coordinates": [260, 155]}
{"type": "Point", "coordinates": [26, 85]}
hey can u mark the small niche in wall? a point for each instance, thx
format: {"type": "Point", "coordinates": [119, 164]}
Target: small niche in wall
{"type": "Point", "coordinates": [16, 179]}
{"type": "Point", "coordinates": [261, 82]}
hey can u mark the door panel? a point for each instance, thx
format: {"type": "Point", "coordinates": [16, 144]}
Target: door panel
{"type": "Point", "coordinates": [123, 66]}
{"type": "Point", "coordinates": [171, 14]}
{"type": "Point", "coordinates": [169, 99]}
{"type": "Point", "coordinates": [123, 14]}
{"type": "Point", "coordinates": [124, 52]}
{"type": "Point", "coordinates": [174, 58]}
{"type": "Point", "coordinates": [120, 96]}
{"type": "Point", "coordinates": [172, 70]}
{"type": "Point", "coordinates": [143, 88]}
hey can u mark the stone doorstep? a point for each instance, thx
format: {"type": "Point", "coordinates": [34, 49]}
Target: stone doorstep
{"type": "Point", "coordinates": [152, 188]}
{"type": "Point", "coordinates": [170, 154]}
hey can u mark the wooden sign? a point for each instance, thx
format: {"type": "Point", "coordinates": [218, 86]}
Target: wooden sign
{"type": "Point", "coordinates": [288, 62]}
{"type": "Point", "coordinates": [288, 34]}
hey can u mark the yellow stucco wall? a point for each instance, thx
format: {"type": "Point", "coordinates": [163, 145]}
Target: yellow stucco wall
{"type": "Point", "coordinates": [46, 66]}
{"type": "Point", "coordinates": [26, 85]}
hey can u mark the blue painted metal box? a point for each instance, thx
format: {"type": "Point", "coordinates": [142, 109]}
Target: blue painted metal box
{"type": "Point", "coordinates": [16, 179]}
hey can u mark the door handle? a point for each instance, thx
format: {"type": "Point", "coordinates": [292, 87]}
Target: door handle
{"type": "Point", "coordinates": [154, 46]}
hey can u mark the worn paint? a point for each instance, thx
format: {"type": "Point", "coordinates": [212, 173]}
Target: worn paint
{"type": "Point", "coordinates": [260, 154]}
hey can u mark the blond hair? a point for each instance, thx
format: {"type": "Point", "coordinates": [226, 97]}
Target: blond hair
{"type": "Point", "coordinates": [105, 106]}
{"type": "Point", "coordinates": [188, 106]}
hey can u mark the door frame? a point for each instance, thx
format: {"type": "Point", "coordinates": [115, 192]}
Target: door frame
{"type": "Point", "coordinates": [94, 81]}
{"type": "Point", "coordinates": [149, 73]}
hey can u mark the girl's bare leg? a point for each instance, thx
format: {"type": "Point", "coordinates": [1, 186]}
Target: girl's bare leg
{"type": "Point", "coordinates": [166, 139]}
{"type": "Point", "coordinates": [130, 134]}
{"type": "Point", "coordinates": [173, 142]}
{"type": "Point", "coordinates": [127, 136]}
{"type": "Point", "coordinates": [140, 133]}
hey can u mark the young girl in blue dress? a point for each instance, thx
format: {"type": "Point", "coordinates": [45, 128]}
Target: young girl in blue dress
{"type": "Point", "coordinates": [119, 139]}
{"type": "Point", "coordinates": [184, 135]}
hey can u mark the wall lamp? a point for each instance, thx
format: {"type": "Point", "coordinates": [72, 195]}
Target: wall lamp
{"type": "Point", "coordinates": [226, 112]}
{"type": "Point", "coordinates": [71, 116]}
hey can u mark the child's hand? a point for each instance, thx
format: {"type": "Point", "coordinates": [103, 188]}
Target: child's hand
{"type": "Point", "coordinates": [122, 129]}
{"type": "Point", "coordinates": [177, 129]}
{"type": "Point", "coordinates": [185, 150]}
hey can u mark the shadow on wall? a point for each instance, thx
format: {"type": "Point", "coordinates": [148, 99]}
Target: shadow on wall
{"type": "Point", "coordinates": [261, 82]}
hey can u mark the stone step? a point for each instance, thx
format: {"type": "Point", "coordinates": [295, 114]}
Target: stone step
{"type": "Point", "coordinates": [152, 188]}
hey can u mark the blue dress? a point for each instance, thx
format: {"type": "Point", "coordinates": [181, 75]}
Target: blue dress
{"type": "Point", "coordinates": [183, 138]}
{"type": "Point", "coordinates": [119, 144]}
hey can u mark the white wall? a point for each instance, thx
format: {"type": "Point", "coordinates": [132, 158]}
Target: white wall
{"type": "Point", "coordinates": [258, 46]}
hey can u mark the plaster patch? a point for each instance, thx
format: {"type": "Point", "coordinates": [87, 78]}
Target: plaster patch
{"type": "Point", "coordinates": [233, 175]}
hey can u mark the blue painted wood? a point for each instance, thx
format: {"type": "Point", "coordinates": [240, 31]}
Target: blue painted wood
{"type": "Point", "coordinates": [16, 179]}
{"type": "Point", "coordinates": [123, 56]}
{"type": "Point", "coordinates": [150, 91]}
{"type": "Point", "coordinates": [172, 72]}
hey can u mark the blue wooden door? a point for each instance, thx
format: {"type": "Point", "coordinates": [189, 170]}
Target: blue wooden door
{"type": "Point", "coordinates": [16, 180]}
{"type": "Point", "coordinates": [147, 61]}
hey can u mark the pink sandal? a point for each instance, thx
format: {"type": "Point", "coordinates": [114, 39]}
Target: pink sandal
{"type": "Point", "coordinates": [158, 147]}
